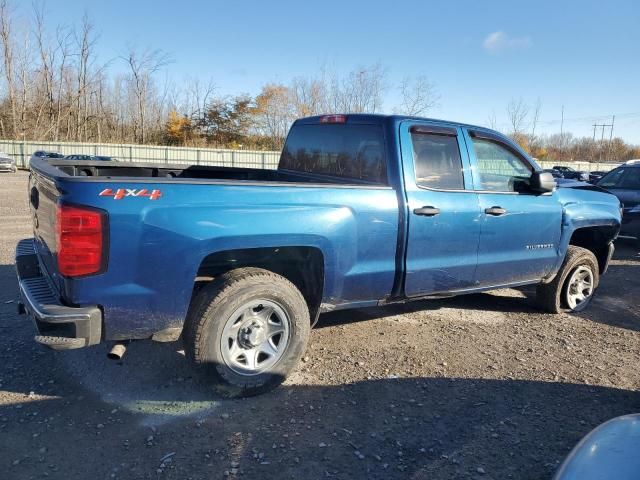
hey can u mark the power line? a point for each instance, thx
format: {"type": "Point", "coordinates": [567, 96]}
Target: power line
{"type": "Point", "coordinates": [603, 126]}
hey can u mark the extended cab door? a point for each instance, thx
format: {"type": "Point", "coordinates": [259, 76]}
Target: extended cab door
{"type": "Point", "coordinates": [443, 210]}
{"type": "Point", "coordinates": [520, 229]}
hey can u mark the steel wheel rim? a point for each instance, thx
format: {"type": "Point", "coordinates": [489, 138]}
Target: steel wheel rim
{"type": "Point", "coordinates": [255, 337]}
{"type": "Point", "coordinates": [579, 287]}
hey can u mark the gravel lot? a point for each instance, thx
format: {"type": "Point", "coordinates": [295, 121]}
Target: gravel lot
{"type": "Point", "coordinates": [483, 386]}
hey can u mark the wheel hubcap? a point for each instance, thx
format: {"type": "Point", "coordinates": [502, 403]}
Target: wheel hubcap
{"type": "Point", "coordinates": [255, 336]}
{"type": "Point", "coordinates": [579, 287]}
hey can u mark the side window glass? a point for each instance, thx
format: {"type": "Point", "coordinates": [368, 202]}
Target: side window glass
{"type": "Point", "coordinates": [612, 179]}
{"type": "Point", "coordinates": [437, 161]}
{"type": "Point", "coordinates": [500, 169]}
{"type": "Point", "coordinates": [631, 179]}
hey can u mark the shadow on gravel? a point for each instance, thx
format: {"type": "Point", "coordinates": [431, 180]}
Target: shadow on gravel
{"type": "Point", "coordinates": [617, 302]}
{"type": "Point", "coordinates": [384, 428]}
{"type": "Point", "coordinates": [476, 301]}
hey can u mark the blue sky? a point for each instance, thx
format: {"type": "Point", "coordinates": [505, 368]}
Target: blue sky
{"type": "Point", "coordinates": [584, 55]}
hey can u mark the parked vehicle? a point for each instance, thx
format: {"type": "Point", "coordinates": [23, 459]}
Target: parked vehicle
{"type": "Point", "coordinates": [76, 156]}
{"type": "Point", "coordinates": [568, 172]}
{"type": "Point", "coordinates": [44, 154]}
{"type": "Point", "coordinates": [555, 173]}
{"type": "Point", "coordinates": [596, 175]}
{"type": "Point", "coordinates": [104, 158]}
{"type": "Point", "coordinates": [363, 210]}
{"type": "Point", "coordinates": [7, 164]}
{"type": "Point", "coordinates": [624, 183]}
{"type": "Point", "coordinates": [610, 451]}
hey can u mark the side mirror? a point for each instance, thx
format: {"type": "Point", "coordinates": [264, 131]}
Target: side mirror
{"type": "Point", "coordinates": [542, 182]}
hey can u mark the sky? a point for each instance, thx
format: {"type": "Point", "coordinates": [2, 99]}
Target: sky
{"type": "Point", "coordinates": [583, 55]}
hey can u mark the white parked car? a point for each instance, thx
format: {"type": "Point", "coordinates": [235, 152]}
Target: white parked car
{"type": "Point", "coordinates": [7, 164]}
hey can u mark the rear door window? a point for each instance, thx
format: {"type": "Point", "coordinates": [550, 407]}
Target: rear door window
{"type": "Point", "coordinates": [341, 150]}
{"type": "Point", "coordinates": [437, 161]}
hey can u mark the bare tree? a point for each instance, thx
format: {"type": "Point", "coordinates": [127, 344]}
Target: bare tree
{"type": "Point", "coordinates": [536, 117]}
{"type": "Point", "coordinates": [143, 65]}
{"type": "Point", "coordinates": [274, 110]}
{"type": "Point", "coordinates": [309, 96]}
{"type": "Point", "coordinates": [6, 38]}
{"type": "Point", "coordinates": [360, 91]}
{"type": "Point", "coordinates": [493, 121]}
{"type": "Point", "coordinates": [418, 96]}
{"type": "Point", "coordinates": [517, 112]}
{"type": "Point", "coordinates": [198, 95]}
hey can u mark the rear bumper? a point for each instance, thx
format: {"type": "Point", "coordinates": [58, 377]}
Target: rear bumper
{"type": "Point", "coordinates": [58, 326]}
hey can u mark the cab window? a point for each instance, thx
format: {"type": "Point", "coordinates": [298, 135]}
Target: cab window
{"type": "Point", "coordinates": [437, 161]}
{"type": "Point", "coordinates": [499, 168]}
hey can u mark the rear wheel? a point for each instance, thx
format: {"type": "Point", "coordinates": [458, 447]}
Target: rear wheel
{"type": "Point", "coordinates": [574, 286]}
{"type": "Point", "coordinates": [248, 328]}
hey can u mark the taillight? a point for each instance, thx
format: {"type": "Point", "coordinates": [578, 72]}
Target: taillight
{"type": "Point", "coordinates": [80, 235]}
{"type": "Point", "coordinates": [333, 119]}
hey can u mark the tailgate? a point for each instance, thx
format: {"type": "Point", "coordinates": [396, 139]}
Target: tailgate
{"type": "Point", "coordinates": [43, 200]}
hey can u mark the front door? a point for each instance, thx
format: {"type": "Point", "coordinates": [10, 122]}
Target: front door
{"type": "Point", "coordinates": [443, 210]}
{"type": "Point", "coordinates": [520, 229]}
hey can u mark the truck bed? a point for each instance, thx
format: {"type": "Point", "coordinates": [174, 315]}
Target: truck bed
{"type": "Point", "coordinates": [160, 172]}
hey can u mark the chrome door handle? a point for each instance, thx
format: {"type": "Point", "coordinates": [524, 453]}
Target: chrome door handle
{"type": "Point", "coordinates": [427, 211]}
{"type": "Point", "coordinates": [495, 211]}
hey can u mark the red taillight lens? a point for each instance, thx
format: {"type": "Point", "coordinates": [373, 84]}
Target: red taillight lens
{"type": "Point", "coordinates": [80, 241]}
{"type": "Point", "coordinates": [333, 119]}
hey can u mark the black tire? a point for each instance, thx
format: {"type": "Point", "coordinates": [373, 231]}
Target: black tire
{"type": "Point", "coordinates": [214, 304]}
{"type": "Point", "coordinates": [552, 296]}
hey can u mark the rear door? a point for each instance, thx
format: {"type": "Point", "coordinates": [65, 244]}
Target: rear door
{"type": "Point", "coordinates": [519, 229]}
{"type": "Point", "coordinates": [444, 213]}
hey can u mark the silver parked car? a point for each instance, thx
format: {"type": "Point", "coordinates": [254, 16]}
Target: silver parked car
{"type": "Point", "coordinates": [44, 154]}
{"type": "Point", "coordinates": [7, 164]}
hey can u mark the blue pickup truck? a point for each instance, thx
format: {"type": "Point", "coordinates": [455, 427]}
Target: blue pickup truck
{"type": "Point", "coordinates": [363, 210]}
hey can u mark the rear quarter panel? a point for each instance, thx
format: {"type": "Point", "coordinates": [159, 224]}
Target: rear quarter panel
{"type": "Point", "coordinates": [156, 246]}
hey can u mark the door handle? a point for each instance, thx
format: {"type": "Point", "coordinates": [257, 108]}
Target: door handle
{"type": "Point", "coordinates": [427, 211]}
{"type": "Point", "coordinates": [495, 211]}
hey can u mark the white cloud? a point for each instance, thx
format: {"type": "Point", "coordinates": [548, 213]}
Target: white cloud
{"type": "Point", "coordinates": [497, 42]}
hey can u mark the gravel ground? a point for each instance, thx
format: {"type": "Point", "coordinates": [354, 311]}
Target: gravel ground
{"type": "Point", "coordinates": [482, 386]}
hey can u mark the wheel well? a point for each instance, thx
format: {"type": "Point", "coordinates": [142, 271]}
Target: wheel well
{"type": "Point", "coordinates": [302, 266]}
{"type": "Point", "coordinates": [595, 239]}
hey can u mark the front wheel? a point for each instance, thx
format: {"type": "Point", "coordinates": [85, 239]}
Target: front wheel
{"type": "Point", "coordinates": [574, 285]}
{"type": "Point", "coordinates": [249, 328]}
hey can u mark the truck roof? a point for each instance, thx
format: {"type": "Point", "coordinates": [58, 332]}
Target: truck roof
{"type": "Point", "coordinates": [381, 118]}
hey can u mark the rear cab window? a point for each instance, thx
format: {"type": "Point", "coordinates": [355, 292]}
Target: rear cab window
{"type": "Point", "coordinates": [350, 151]}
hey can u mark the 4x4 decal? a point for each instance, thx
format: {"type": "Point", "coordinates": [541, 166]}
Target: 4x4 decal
{"type": "Point", "coordinates": [121, 193]}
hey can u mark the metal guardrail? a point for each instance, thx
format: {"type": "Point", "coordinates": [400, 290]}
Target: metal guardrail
{"type": "Point", "coordinates": [21, 152]}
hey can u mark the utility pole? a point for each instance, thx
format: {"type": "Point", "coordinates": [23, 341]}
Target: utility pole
{"type": "Point", "coordinates": [561, 122]}
{"type": "Point", "coordinates": [603, 126]}
{"type": "Point", "coordinates": [613, 121]}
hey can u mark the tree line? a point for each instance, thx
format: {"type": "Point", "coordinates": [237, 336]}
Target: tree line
{"type": "Point", "coordinates": [54, 87]}
{"type": "Point", "coordinates": [524, 122]}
